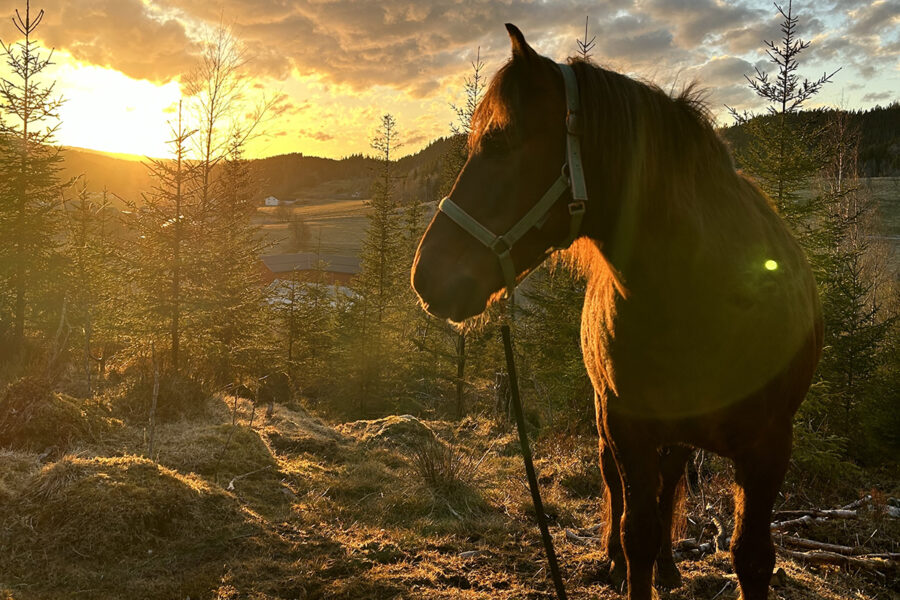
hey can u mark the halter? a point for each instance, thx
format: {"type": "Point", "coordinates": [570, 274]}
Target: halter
{"type": "Point", "coordinates": [571, 178]}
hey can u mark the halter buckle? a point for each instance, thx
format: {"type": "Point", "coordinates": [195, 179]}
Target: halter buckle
{"type": "Point", "coordinates": [577, 208]}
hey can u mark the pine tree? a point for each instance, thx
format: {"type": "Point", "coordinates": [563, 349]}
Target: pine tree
{"type": "Point", "coordinates": [443, 335]}
{"type": "Point", "coordinates": [227, 242]}
{"type": "Point", "coordinates": [585, 45]}
{"type": "Point", "coordinates": [473, 89]}
{"type": "Point", "coordinates": [31, 188]}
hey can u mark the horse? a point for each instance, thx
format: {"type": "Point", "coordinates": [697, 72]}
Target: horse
{"type": "Point", "coordinates": [701, 325]}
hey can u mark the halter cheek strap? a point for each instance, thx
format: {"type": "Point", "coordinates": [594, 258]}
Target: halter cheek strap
{"type": "Point", "coordinates": [571, 178]}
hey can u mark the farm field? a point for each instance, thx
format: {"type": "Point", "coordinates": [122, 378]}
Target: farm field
{"type": "Point", "coordinates": [333, 226]}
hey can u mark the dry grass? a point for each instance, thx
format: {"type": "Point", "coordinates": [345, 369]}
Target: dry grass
{"type": "Point", "coordinates": [294, 508]}
{"type": "Point", "coordinates": [32, 417]}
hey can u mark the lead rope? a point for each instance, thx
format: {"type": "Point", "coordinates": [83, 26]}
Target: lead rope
{"type": "Point", "coordinates": [529, 464]}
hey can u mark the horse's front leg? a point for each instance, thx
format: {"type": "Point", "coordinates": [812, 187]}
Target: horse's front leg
{"type": "Point", "coordinates": [641, 527]}
{"type": "Point", "coordinates": [613, 498]}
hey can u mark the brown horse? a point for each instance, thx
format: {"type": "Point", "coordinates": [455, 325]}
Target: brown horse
{"type": "Point", "coordinates": [701, 324]}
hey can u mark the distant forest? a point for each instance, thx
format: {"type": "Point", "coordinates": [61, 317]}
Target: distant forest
{"type": "Point", "coordinates": [879, 131]}
{"type": "Point", "coordinates": [292, 176]}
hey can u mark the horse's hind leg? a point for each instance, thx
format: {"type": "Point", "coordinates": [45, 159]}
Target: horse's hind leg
{"type": "Point", "coordinates": [614, 503]}
{"type": "Point", "coordinates": [671, 465]}
{"type": "Point", "coordinates": [758, 474]}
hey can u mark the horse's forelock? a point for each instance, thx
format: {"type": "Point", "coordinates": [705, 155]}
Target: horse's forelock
{"type": "Point", "coordinates": [499, 106]}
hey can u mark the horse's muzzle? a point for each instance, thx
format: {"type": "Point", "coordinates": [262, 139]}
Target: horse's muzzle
{"type": "Point", "coordinates": [453, 297]}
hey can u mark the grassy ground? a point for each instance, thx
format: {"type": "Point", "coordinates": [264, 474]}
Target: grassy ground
{"type": "Point", "coordinates": [296, 508]}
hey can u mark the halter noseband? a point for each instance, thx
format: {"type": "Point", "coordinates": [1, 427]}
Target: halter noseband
{"type": "Point", "coordinates": [572, 177]}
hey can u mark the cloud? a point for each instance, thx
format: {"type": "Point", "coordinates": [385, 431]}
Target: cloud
{"type": "Point", "coordinates": [693, 21]}
{"type": "Point", "coordinates": [874, 18]}
{"type": "Point", "coordinates": [878, 96]}
{"type": "Point", "coordinates": [121, 34]}
{"type": "Point", "coordinates": [402, 44]}
{"type": "Point", "coordinates": [320, 136]}
{"type": "Point", "coordinates": [723, 70]}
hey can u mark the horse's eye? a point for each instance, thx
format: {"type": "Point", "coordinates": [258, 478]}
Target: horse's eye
{"type": "Point", "coordinates": [494, 143]}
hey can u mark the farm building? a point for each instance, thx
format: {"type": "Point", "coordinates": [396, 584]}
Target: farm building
{"type": "Point", "coordinates": [336, 269]}
{"type": "Point", "coordinates": [272, 201]}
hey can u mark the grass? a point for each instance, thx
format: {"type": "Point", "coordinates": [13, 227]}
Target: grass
{"type": "Point", "coordinates": [297, 508]}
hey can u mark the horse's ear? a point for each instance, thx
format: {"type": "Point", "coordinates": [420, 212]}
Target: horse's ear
{"type": "Point", "coordinates": [520, 48]}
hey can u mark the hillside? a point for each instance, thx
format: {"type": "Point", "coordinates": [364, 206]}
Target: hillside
{"type": "Point", "coordinates": [295, 176]}
{"type": "Point", "coordinates": [879, 136]}
{"type": "Point", "coordinates": [230, 506]}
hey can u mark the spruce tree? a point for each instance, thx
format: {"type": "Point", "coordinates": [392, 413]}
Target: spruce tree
{"type": "Point", "coordinates": [381, 271]}
{"type": "Point", "coordinates": [231, 284]}
{"type": "Point", "coordinates": [162, 260]}
{"type": "Point", "coordinates": [447, 343]}
{"type": "Point", "coordinates": [857, 286]}
{"type": "Point", "coordinates": [782, 153]}
{"type": "Point", "coordinates": [29, 219]}
{"type": "Point", "coordinates": [94, 287]}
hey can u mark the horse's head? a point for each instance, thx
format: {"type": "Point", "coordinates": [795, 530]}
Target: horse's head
{"type": "Point", "coordinates": [487, 232]}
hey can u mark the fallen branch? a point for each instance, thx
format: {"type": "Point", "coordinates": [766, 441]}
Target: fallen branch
{"type": "Point", "coordinates": [581, 540]}
{"type": "Point", "coordinates": [817, 545]}
{"type": "Point", "coordinates": [239, 477]}
{"type": "Point", "coordinates": [834, 513]}
{"type": "Point", "coordinates": [857, 503]}
{"type": "Point", "coordinates": [821, 557]}
{"type": "Point", "coordinates": [804, 520]}
{"type": "Point", "coordinates": [722, 540]}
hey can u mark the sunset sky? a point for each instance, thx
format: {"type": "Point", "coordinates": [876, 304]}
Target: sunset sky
{"type": "Point", "coordinates": [337, 65]}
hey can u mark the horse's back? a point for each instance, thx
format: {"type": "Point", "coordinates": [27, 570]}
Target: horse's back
{"type": "Point", "coordinates": [710, 314]}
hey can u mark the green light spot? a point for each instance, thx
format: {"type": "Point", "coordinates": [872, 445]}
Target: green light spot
{"type": "Point", "coordinates": [771, 265]}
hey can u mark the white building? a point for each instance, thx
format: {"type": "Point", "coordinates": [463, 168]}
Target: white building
{"type": "Point", "coordinates": [271, 201]}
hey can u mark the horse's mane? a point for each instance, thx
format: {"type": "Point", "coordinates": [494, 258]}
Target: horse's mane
{"type": "Point", "coordinates": [654, 161]}
{"type": "Point", "coordinates": [659, 161]}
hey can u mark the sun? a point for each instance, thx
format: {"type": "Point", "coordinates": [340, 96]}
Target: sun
{"type": "Point", "coordinates": [108, 111]}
